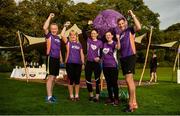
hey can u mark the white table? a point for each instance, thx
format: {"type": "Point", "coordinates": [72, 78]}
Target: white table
{"type": "Point", "coordinates": [178, 76]}
{"type": "Point", "coordinates": [34, 73]}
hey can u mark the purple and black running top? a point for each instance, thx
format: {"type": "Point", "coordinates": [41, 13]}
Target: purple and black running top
{"type": "Point", "coordinates": [55, 45]}
{"type": "Point", "coordinates": [127, 42]}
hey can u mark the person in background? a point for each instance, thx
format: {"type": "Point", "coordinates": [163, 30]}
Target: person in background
{"type": "Point", "coordinates": [153, 68]}
{"type": "Point", "coordinates": [128, 56]}
{"type": "Point", "coordinates": [54, 56]}
{"type": "Point", "coordinates": [74, 61]}
{"type": "Point", "coordinates": [110, 68]}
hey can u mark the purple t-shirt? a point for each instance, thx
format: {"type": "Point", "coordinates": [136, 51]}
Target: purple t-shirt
{"type": "Point", "coordinates": [93, 49]}
{"type": "Point", "coordinates": [125, 41]}
{"type": "Point", "coordinates": [109, 55]}
{"type": "Point", "coordinates": [55, 45]}
{"type": "Point", "coordinates": [74, 52]}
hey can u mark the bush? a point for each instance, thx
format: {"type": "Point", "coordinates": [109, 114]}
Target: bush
{"type": "Point", "coordinates": [165, 64]}
{"type": "Point", "coordinates": [6, 68]}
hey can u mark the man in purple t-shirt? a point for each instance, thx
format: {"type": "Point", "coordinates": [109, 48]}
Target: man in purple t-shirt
{"type": "Point", "coordinates": [128, 56]}
{"type": "Point", "coordinates": [54, 55]}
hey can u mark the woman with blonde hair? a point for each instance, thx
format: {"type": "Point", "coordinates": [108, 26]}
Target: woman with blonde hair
{"type": "Point", "coordinates": [74, 61]}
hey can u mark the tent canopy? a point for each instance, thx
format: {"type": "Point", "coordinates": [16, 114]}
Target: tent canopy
{"type": "Point", "coordinates": [28, 40]}
{"type": "Point", "coordinates": [139, 38]}
{"type": "Point", "coordinates": [38, 42]}
{"type": "Point", "coordinates": [11, 48]}
{"type": "Point", "coordinates": [75, 28]}
{"type": "Point", "coordinates": [166, 45]}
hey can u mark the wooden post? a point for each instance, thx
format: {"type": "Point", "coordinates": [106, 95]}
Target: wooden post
{"type": "Point", "coordinates": [147, 52]}
{"type": "Point", "coordinates": [174, 68]}
{"type": "Point", "coordinates": [101, 81]}
{"type": "Point", "coordinates": [22, 52]}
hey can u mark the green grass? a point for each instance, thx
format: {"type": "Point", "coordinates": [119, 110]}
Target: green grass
{"type": "Point", "coordinates": [19, 97]}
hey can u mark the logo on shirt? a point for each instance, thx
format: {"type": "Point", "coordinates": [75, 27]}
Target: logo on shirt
{"type": "Point", "coordinates": [105, 50]}
{"type": "Point", "coordinates": [122, 36]}
{"type": "Point", "coordinates": [57, 40]}
{"type": "Point", "coordinates": [75, 47]}
{"type": "Point", "coordinates": [94, 47]}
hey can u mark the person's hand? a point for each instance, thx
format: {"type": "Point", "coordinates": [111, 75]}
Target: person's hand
{"type": "Point", "coordinates": [67, 23]}
{"type": "Point", "coordinates": [117, 36]}
{"type": "Point", "coordinates": [83, 66]}
{"type": "Point", "coordinates": [90, 22]}
{"type": "Point", "coordinates": [130, 12]}
{"type": "Point", "coordinates": [97, 59]}
{"type": "Point", "coordinates": [51, 15]}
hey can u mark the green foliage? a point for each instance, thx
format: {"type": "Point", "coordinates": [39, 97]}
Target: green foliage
{"type": "Point", "coordinates": [29, 16]}
{"type": "Point", "coordinates": [21, 98]}
{"type": "Point", "coordinates": [174, 27]}
{"type": "Point", "coordinates": [6, 67]}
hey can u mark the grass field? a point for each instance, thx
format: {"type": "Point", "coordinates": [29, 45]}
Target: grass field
{"type": "Point", "coordinates": [19, 97]}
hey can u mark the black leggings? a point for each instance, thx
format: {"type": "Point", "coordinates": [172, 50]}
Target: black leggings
{"type": "Point", "coordinates": [111, 76]}
{"type": "Point", "coordinates": [89, 69]}
{"type": "Point", "coordinates": [73, 73]}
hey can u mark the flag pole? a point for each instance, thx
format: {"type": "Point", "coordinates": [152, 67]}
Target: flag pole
{"type": "Point", "coordinates": [147, 52]}
{"type": "Point", "coordinates": [22, 53]}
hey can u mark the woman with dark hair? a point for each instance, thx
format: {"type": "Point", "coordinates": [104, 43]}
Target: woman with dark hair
{"type": "Point", "coordinates": [94, 47]}
{"type": "Point", "coordinates": [110, 67]}
{"type": "Point", "coordinates": [74, 61]}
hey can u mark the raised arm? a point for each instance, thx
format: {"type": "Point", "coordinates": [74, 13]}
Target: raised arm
{"type": "Point", "coordinates": [82, 56]}
{"type": "Point", "coordinates": [64, 38]}
{"type": "Point", "coordinates": [61, 59]}
{"type": "Point", "coordinates": [85, 30]}
{"type": "Point", "coordinates": [137, 24]}
{"type": "Point", "coordinates": [118, 42]}
{"type": "Point", "coordinates": [47, 22]}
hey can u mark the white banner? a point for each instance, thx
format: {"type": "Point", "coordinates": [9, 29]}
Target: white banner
{"type": "Point", "coordinates": [178, 76]}
{"type": "Point", "coordinates": [34, 73]}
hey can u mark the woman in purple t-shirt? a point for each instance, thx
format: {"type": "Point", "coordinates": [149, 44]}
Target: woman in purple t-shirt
{"type": "Point", "coordinates": [74, 61]}
{"type": "Point", "coordinates": [110, 69]}
{"type": "Point", "coordinates": [128, 56]}
{"type": "Point", "coordinates": [94, 47]}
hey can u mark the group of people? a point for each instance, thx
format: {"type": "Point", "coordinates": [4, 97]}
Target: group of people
{"type": "Point", "coordinates": [101, 55]}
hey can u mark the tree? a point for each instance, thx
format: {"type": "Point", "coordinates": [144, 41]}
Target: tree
{"type": "Point", "coordinates": [29, 17]}
{"type": "Point", "coordinates": [8, 21]}
{"type": "Point", "coordinates": [174, 27]}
